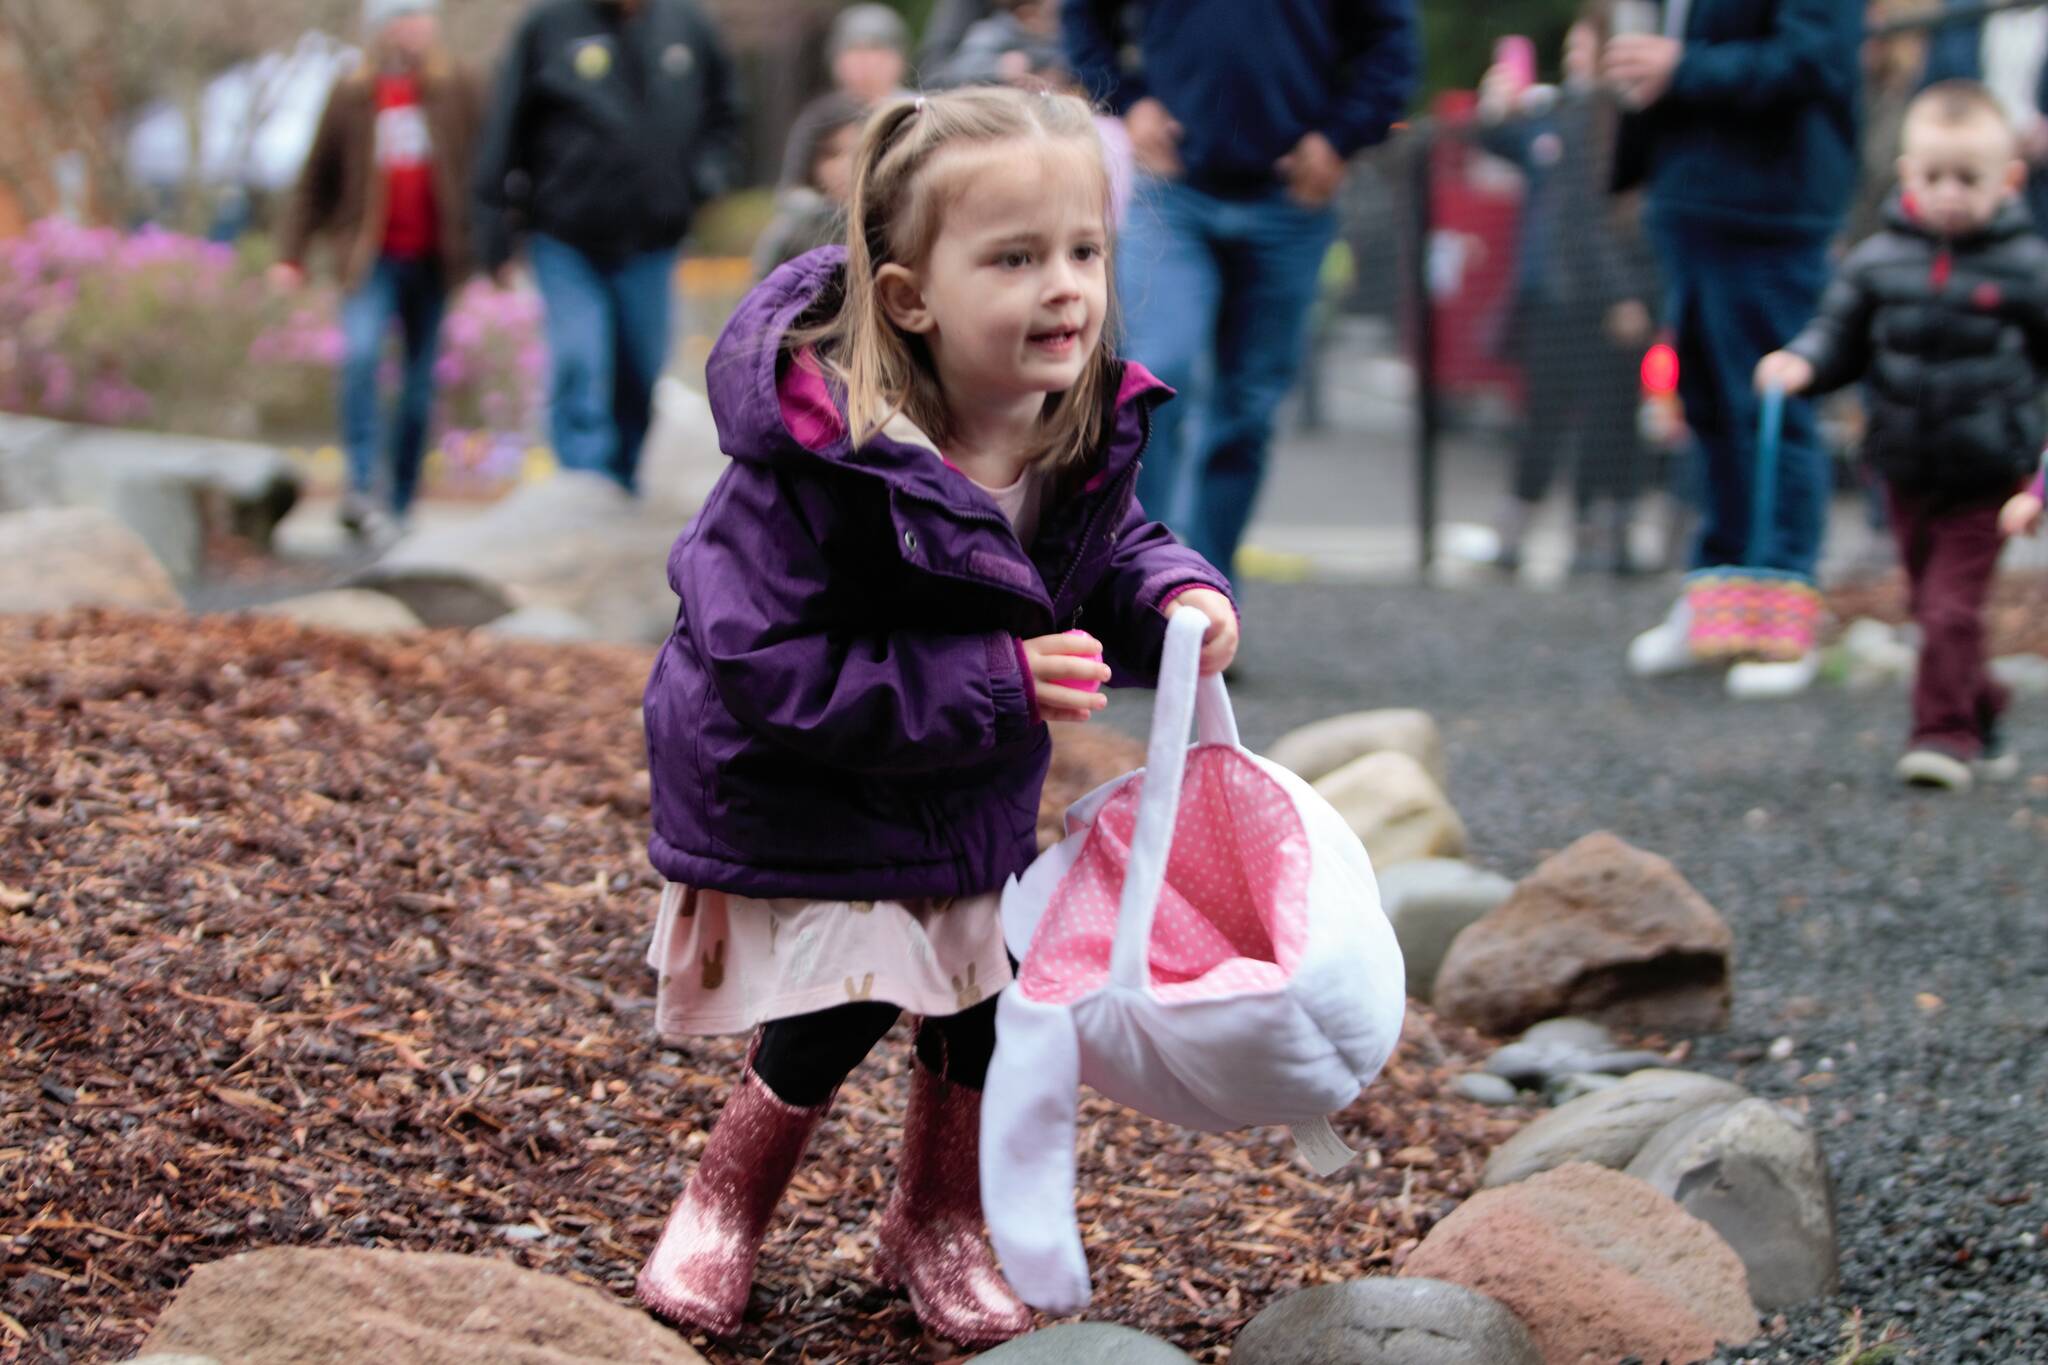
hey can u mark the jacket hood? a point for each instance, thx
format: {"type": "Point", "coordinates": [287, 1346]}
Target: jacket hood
{"type": "Point", "coordinates": [2011, 220]}
{"type": "Point", "coordinates": [743, 383]}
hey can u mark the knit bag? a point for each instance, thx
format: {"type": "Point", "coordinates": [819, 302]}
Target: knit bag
{"type": "Point", "coordinates": [1205, 946]}
{"type": "Point", "coordinates": [1753, 612]}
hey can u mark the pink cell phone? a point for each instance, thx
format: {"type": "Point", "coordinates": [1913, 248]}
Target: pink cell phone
{"type": "Point", "coordinates": [1516, 54]}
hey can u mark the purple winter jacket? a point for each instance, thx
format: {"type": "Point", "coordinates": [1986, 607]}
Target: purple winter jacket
{"type": "Point", "coordinates": [840, 711]}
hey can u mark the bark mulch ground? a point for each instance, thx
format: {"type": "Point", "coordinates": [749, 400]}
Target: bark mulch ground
{"type": "Point", "coordinates": [320, 940]}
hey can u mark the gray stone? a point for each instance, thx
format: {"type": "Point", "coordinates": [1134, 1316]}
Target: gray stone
{"type": "Point", "coordinates": [1430, 901]}
{"type": "Point", "coordinates": [554, 625]}
{"type": "Point", "coordinates": [1477, 1085]}
{"type": "Point", "coordinates": [56, 558]}
{"type": "Point", "coordinates": [1386, 1322]}
{"type": "Point", "coordinates": [1607, 1127]}
{"type": "Point", "coordinates": [1874, 656]}
{"type": "Point", "coordinates": [2025, 674]}
{"type": "Point", "coordinates": [1395, 808]}
{"type": "Point", "coordinates": [1085, 1343]}
{"type": "Point", "coordinates": [351, 609]}
{"type": "Point", "coordinates": [1753, 1171]}
{"type": "Point", "coordinates": [575, 541]}
{"type": "Point", "coordinates": [1559, 1047]}
{"type": "Point", "coordinates": [169, 489]}
{"type": "Point", "coordinates": [681, 460]}
{"type": "Point", "coordinates": [1312, 752]}
{"type": "Point", "coordinates": [1570, 1085]}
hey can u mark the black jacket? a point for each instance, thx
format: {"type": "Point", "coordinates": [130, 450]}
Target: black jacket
{"type": "Point", "coordinates": [1757, 134]}
{"type": "Point", "coordinates": [1953, 338]}
{"type": "Point", "coordinates": [606, 130]}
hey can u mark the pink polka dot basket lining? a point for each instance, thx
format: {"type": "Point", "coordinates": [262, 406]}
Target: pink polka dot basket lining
{"type": "Point", "coordinates": [1233, 913]}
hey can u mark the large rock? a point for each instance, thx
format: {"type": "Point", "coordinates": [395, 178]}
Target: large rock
{"type": "Point", "coordinates": [552, 625]}
{"type": "Point", "coordinates": [1396, 809]}
{"type": "Point", "coordinates": [575, 541]}
{"type": "Point", "coordinates": [298, 1306]}
{"type": "Point", "coordinates": [1598, 1266]}
{"type": "Point", "coordinates": [351, 609]}
{"type": "Point", "coordinates": [1430, 902]}
{"type": "Point", "coordinates": [1386, 1322]}
{"type": "Point", "coordinates": [1608, 1127]}
{"type": "Point", "coordinates": [1085, 1343]}
{"type": "Point", "coordinates": [56, 558]}
{"type": "Point", "coordinates": [681, 460]}
{"type": "Point", "coordinates": [1316, 750]}
{"type": "Point", "coordinates": [1601, 929]}
{"type": "Point", "coordinates": [1754, 1172]}
{"type": "Point", "coordinates": [170, 490]}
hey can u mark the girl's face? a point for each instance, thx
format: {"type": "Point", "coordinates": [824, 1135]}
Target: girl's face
{"type": "Point", "coordinates": [1011, 298]}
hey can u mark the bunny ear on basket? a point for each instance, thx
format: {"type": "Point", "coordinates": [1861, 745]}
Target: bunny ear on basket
{"type": "Point", "coordinates": [1205, 946]}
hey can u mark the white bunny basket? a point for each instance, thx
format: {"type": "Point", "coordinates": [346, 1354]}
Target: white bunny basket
{"type": "Point", "coordinates": [1206, 946]}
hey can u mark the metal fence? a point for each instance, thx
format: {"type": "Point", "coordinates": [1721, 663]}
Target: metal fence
{"type": "Point", "coordinates": [1522, 302]}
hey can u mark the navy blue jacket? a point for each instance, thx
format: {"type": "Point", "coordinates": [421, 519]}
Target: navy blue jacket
{"type": "Point", "coordinates": [1248, 81]}
{"type": "Point", "coordinates": [1758, 131]}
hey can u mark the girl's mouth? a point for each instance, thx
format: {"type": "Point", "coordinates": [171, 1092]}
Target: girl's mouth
{"type": "Point", "coordinates": [1057, 342]}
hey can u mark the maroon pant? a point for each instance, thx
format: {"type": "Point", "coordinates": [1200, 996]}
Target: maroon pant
{"type": "Point", "coordinates": [1949, 552]}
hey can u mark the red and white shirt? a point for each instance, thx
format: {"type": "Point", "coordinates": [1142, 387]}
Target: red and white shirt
{"type": "Point", "coordinates": [405, 153]}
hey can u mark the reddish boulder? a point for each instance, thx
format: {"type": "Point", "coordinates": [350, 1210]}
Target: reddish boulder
{"type": "Point", "coordinates": [1597, 1265]}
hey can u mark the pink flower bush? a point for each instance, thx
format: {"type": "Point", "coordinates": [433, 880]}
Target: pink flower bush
{"type": "Point", "coordinates": [152, 327]}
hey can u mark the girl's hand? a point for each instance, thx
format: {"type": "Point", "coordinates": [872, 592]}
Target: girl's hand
{"type": "Point", "coordinates": [1057, 660]}
{"type": "Point", "coordinates": [1219, 642]}
{"type": "Point", "coordinates": [2021, 515]}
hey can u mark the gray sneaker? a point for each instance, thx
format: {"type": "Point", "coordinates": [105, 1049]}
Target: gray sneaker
{"type": "Point", "coordinates": [1934, 768]}
{"type": "Point", "coordinates": [359, 513]}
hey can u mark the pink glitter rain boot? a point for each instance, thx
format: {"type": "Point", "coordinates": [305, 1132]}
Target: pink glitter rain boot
{"type": "Point", "coordinates": [702, 1269]}
{"type": "Point", "coordinates": [933, 1240]}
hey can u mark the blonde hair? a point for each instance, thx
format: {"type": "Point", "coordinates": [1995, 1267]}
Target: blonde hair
{"type": "Point", "coordinates": [898, 204]}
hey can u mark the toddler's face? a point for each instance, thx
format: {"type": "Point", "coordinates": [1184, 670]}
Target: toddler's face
{"type": "Point", "coordinates": [832, 172]}
{"type": "Point", "coordinates": [1959, 174]}
{"type": "Point", "coordinates": [1017, 283]}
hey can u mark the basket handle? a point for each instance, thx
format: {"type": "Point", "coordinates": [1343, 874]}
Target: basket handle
{"type": "Point", "coordinates": [1184, 698]}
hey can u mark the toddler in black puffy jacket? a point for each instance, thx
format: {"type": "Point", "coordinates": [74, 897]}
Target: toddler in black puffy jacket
{"type": "Point", "coordinates": [1945, 314]}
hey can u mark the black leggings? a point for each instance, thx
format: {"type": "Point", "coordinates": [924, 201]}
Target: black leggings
{"type": "Point", "coordinates": [804, 1058]}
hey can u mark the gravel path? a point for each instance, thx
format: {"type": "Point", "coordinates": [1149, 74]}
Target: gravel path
{"type": "Point", "coordinates": [1896, 939]}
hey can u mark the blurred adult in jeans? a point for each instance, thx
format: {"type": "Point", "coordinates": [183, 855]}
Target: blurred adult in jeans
{"type": "Point", "coordinates": [1241, 118]}
{"type": "Point", "coordinates": [612, 123]}
{"type": "Point", "coordinates": [1580, 315]}
{"type": "Point", "coordinates": [1745, 130]}
{"type": "Point", "coordinates": [386, 181]}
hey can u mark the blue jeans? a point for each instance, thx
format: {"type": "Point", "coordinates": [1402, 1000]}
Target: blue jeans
{"type": "Point", "coordinates": [411, 293]}
{"type": "Point", "coordinates": [608, 334]}
{"type": "Point", "coordinates": [1734, 299]}
{"type": "Point", "coordinates": [1216, 296]}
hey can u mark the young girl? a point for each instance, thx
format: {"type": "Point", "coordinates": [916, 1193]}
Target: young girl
{"type": "Point", "coordinates": [933, 460]}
